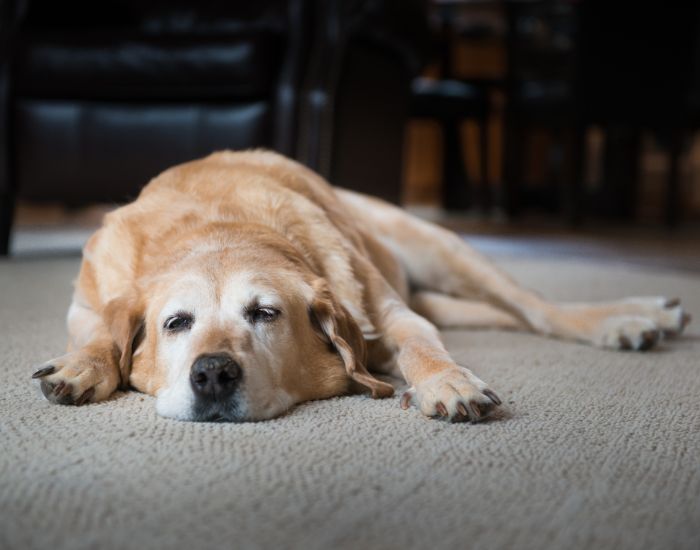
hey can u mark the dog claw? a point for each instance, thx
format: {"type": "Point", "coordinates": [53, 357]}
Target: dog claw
{"type": "Point", "coordinates": [441, 409]}
{"type": "Point", "coordinates": [492, 396]}
{"type": "Point", "coordinates": [58, 388]}
{"type": "Point", "coordinates": [625, 343]}
{"type": "Point", "coordinates": [463, 410]}
{"type": "Point", "coordinates": [44, 372]}
{"type": "Point", "coordinates": [476, 411]}
{"type": "Point", "coordinates": [685, 320]}
{"type": "Point", "coordinates": [64, 391]}
{"type": "Point", "coordinates": [85, 397]}
{"type": "Point", "coordinates": [649, 339]}
{"type": "Point", "coordinates": [406, 400]}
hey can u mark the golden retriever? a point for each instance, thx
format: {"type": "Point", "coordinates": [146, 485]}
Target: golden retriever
{"type": "Point", "coordinates": [241, 284]}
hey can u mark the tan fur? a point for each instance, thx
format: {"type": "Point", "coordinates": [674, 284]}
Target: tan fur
{"type": "Point", "coordinates": [216, 231]}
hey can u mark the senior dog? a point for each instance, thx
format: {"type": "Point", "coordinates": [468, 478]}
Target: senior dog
{"type": "Point", "coordinates": [241, 284]}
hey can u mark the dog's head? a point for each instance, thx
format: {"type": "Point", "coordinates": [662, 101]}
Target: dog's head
{"type": "Point", "coordinates": [238, 335]}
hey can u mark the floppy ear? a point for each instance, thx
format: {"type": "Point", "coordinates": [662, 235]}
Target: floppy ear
{"type": "Point", "coordinates": [337, 327]}
{"type": "Point", "coordinates": [124, 317]}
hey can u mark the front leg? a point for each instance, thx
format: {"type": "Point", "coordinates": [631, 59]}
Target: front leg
{"type": "Point", "coordinates": [91, 370]}
{"type": "Point", "coordinates": [89, 374]}
{"type": "Point", "coordinates": [439, 387]}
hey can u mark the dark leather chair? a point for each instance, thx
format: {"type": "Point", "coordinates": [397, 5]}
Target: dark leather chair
{"type": "Point", "coordinates": [451, 102]}
{"type": "Point", "coordinates": [97, 98]}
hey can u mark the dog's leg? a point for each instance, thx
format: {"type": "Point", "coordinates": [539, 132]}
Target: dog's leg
{"type": "Point", "coordinates": [89, 372]}
{"type": "Point", "coordinates": [448, 312]}
{"type": "Point", "coordinates": [410, 346]}
{"type": "Point", "coordinates": [437, 259]}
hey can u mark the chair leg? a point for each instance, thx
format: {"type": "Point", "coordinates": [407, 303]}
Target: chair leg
{"type": "Point", "coordinates": [622, 150]}
{"type": "Point", "coordinates": [673, 184]}
{"type": "Point", "coordinates": [575, 196]}
{"type": "Point", "coordinates": [485, 199]}
{"type": "Point", "coordinates": [512, 170]}
{"type": "Point", "coordinates": [7, 211]}
{"type": "Point", "coordinates": [633, 147]}
{"type": "Point", "coordinates": [455, 186]}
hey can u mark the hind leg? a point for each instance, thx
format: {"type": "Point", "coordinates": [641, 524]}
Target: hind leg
{"type": "Point", "coordinates": [438, 260]}
{"type": "Point", "coordinates": [448, 312]}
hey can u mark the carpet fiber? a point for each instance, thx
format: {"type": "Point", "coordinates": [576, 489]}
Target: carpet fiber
{"type": "Point", "coordinates": [599, 450]}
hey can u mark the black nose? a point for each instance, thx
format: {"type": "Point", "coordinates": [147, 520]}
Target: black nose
{"type": "Point", "coordinates": [215, 376]}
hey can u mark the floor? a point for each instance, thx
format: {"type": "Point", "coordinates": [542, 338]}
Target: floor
{"type": "Point", "coordinates": [596, 449]}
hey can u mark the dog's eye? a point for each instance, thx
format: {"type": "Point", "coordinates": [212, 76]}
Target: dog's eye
{"type": "Point", "coordinates": [178, 322]}
{"type": "Point", "coordinates": [262, 314]}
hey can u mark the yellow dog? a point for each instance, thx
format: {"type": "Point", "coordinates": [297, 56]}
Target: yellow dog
{"type": "Point", "coordinates": [241, 284]}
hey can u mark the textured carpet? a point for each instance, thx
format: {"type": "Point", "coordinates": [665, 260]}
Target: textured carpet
{"type": "Point", "coordinates": [600, 450]}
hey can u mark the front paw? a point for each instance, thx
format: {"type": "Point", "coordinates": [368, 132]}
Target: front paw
{"type": "Point", "coordinates": [455, 394]}
{"type": "Point", "coordinates": [75, 379]}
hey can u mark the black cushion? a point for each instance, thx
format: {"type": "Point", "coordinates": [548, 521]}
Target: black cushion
{"type": "Point", "coordinates": [82, 151]}
{"type": "Point", "coordinates": [203, 17]}
{"type": "Point", "coordinates": [138, 67]}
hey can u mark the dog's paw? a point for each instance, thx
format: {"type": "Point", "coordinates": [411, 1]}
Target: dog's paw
{"type": "Point", "coordinates": [75, 379]}
{"type": "Point", "coordinates": [627, 332]}
{"type": "Point", "coordinates": [667, 314]}
{"type": "Point", "coordinates": [647, 321]}
{"type": "Point", "coordinates": [455, 394]}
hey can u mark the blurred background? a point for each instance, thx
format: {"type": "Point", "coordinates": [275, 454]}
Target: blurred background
{"type": "Point", "coordinates": [561, 125]}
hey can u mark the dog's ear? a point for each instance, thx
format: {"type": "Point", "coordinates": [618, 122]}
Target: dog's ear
{"type": "Point", "coordinates": [124, 317]}
{"type": "Point", "coordinates": [338, 328]}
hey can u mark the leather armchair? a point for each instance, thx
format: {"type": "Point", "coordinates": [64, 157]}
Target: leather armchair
{"type": "Point", "coordinates": [97, 98]}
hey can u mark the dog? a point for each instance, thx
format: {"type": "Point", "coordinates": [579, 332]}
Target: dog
{"type": "Point", "coordinates": [241, 284]}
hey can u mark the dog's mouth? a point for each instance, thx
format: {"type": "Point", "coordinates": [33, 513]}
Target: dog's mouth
{"type": "Point", "coordinates": [229, 410]}
{"type": "Point", "coordinates": [217, 417]}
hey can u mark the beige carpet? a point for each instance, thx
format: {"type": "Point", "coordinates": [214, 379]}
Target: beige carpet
{"type": "Point", "coordinates": [602, 449]}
